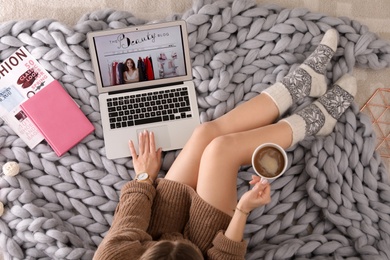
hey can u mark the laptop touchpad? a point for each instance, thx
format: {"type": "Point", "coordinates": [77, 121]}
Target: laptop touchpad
{"type": "Point", "coordinates": [161, 135]}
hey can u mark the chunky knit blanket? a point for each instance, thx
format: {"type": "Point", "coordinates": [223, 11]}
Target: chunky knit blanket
{"type": "Point", "coordinates": [333, 202]}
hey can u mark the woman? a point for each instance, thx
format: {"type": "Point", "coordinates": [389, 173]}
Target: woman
{"type": "Point", "coordinates": [130, 73]}
{"type": "Point", "coordinates": [195, 206]}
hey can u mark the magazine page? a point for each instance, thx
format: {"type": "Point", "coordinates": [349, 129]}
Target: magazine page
{"type": "Point", "coordinates": [21, 76]}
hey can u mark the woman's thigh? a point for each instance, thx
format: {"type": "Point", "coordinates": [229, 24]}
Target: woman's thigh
{"type": "Point", "coordinates": [253, 114]}
{"type": "Point", "coordinates": [217, 179]}
{"type": "Point", "coordinates": [186, 166]}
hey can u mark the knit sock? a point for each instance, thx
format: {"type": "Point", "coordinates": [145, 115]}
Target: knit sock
{"type": "Point", "coordinates": [321, 116]}
{"type": "Point", "coordinates": [308, 79]}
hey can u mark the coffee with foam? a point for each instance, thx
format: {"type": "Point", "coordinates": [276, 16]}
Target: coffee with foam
{"type": "Point", "coordinates": [269, 161]}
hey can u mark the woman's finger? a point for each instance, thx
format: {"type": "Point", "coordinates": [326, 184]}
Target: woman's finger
{"type": "Point", "coordinates": [152, 142]}
{"type": "Point", "coordinates": [132, 149]}
{"type": "Point", "coordinates": [255, 190]}
{"type": "Point", "coordinates": [261, 188]}
{"type": "Point", "coordinates": [146, 141]}
{"type": "Point", "coordinates": [141, 143]}
{"type": "Point", "coordinates": [267, 190]}
{"type": "Point", "coordinates": [264, 194]}
{"type": "Point", "coordinates": [255, 179]}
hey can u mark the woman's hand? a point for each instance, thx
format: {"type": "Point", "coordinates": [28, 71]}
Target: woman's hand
{"type": "Point", "coordinates": [149, 159]}
{"type": "Point", "coordinates": [258, 196]}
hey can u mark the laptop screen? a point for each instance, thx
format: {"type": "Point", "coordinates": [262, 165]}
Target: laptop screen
{"type": "Point", "coordinates": [140, 56]}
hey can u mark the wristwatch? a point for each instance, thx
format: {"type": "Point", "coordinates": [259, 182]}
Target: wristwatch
{"type": "Point", "coordinates": [143, 176]}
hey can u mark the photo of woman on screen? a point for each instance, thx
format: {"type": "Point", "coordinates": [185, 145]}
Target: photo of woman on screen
{"type": "Point", "coordinates": [130, 73]}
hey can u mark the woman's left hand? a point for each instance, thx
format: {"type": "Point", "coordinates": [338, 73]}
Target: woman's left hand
{"type": "Point", "coordinates": [258, 196]}
{"type": "Point", "coordinates": [149, 159]}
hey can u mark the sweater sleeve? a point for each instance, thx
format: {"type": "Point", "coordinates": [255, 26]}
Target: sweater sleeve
{"type": "Point", "coordinates": [226, 249]}
{"type": "Point", "coordinates": [131, 220]}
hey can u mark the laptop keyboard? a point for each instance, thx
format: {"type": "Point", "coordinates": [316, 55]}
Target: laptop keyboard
{"type": "Point", "coordinates": [152, 107]}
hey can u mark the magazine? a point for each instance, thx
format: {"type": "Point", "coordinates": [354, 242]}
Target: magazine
{"type": "Point", "coordinates": [21, 76]}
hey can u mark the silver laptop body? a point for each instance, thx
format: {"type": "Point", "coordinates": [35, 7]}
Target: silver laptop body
{"type": "Point", "coordinates": [144, 78]}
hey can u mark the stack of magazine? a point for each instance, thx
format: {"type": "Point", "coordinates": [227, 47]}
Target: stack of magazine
{"type": "Point", "coordinates": [37, 107]}
{"type": "Point", "coordinates": [21, 77]}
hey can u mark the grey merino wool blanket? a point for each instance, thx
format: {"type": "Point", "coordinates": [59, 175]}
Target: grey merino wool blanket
{"type": "Point", "coordinates": [333, 201]}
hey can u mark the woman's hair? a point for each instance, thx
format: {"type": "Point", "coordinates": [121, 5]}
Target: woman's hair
{"type": "Point", "coordinates": [172, 250]}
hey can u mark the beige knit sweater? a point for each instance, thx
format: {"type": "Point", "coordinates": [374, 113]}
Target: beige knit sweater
{"type": "Point", "coordinates": [167, 211]}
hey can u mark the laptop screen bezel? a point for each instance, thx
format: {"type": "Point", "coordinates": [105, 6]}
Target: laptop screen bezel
{"type": "Point", "coordinates": [143, 84]}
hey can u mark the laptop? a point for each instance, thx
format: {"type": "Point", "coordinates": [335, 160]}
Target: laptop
{"type": "Point", "coordinates": [144, 79]}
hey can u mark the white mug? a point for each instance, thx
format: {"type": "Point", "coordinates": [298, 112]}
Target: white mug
{"type": "Point", "coordinates": [262, 161]}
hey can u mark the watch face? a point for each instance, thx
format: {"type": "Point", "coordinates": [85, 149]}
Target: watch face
{"type": "Point", "coordinates": [142, 176]}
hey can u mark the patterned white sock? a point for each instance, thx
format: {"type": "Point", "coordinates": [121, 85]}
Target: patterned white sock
{"type": "Point", "coordinates": [308, 79]}
{"type": "Point", "coordinates": [321, 116]}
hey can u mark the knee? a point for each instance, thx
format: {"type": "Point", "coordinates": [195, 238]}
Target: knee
{"type": "Point", "coordinates": [222, 147]}
{"type": "Point", "coordinates": [206, 131]}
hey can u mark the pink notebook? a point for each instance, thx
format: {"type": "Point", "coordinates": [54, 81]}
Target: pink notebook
{"type": "Point", "coordinates": [58, 117]}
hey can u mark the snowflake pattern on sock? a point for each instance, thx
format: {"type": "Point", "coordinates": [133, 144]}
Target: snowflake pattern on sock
{"type": "Point", "coordinates": [319, 59]}
{"type": "Point", "coordinates": [314, 119]}
{"type": "Point", "coordinates": [298, 84]}
{"type": "Point", "coordinates": [336, 101]}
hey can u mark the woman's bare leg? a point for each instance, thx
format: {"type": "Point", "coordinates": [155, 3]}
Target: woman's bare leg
{"type": "Point", "coordinates": [222, 158]}
{"type": "Point", "coordinates": [307, 80]}
{"type": "Point", "coordinates": [255, 113]}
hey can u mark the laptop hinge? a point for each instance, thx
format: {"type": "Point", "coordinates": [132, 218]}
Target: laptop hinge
{"type": "Point", "coordinates": [145, 88]}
